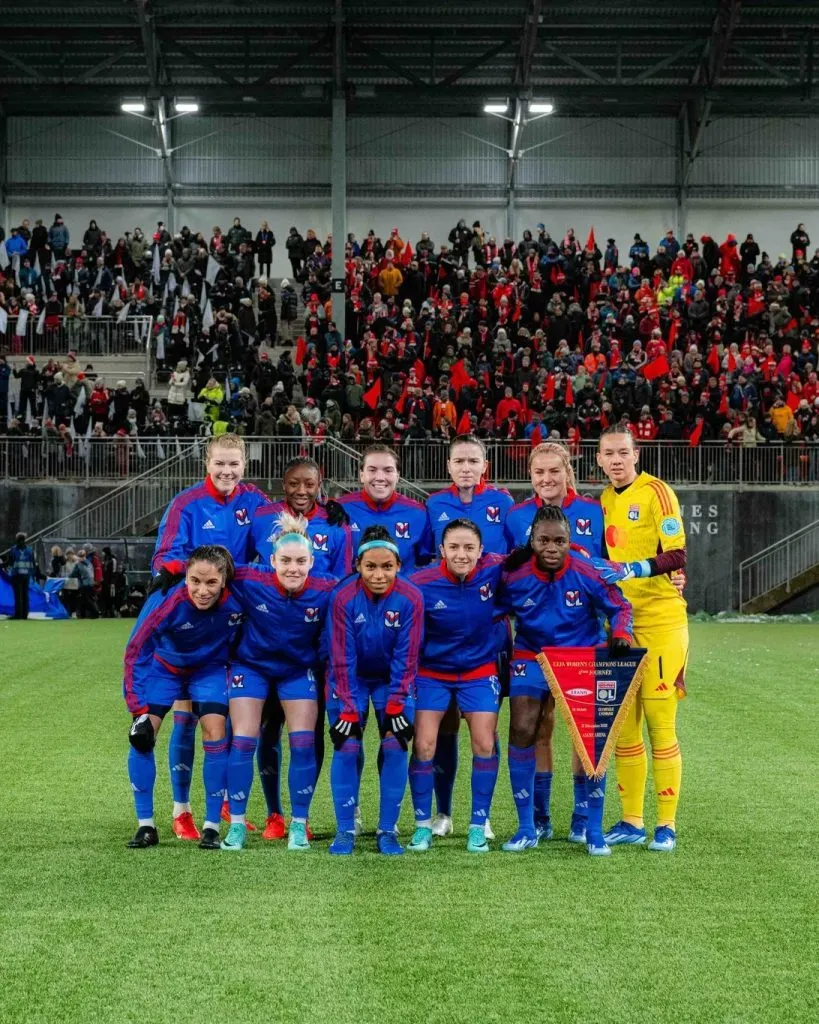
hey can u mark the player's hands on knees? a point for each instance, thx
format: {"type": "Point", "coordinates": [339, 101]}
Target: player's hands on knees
{"type": "Point", "coordinates": [396, 722]}
{"type": "Point", "coordinates": [336, 514]}
{"type": "Point", "coordinates": [619, 646]}
{"type": "Point", "coordinates": [346, 727]}
{"type": "Point", "coordinates": [141, 735]}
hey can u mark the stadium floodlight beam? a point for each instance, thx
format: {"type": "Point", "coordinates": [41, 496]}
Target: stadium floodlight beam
{"type": "Point", "coordinates": [185, 105]}
{"type": "Point", "coordinates": [133, 105]}
{"type": "Point", "coordinates": [496, 105]}
{"type": "Point", "coordinates": [541, 107]}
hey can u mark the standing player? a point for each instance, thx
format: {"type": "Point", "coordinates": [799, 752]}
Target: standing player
{"type": "Point", "coordinates": [375, 627]}
{"type": "Point", "coordinates": [278, 654]}
{"type": "Point", "coordinates": [553, 482]}
{"type": "Point", "coordinates": [218, 511]}
{"type": "Point", "coordinates": [458, 662]}
{"type": "Point", "coordinates": [178, 650]}
{"type": "Point", "coordinates": [558, 599]}
{"type": "Point", "coordinates": [468, 497]}
{"type": "Point", "coordinates": [644, 533]}
{"type": "Point", "coordinates": [329, 531]}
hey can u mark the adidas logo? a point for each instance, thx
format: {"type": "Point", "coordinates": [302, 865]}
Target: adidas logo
{"type": "Point", "coordinates": [188, 625]}
{"type": "Point", "coordinates": [261, 607]}
{"type": "Point", "coordinates": [522, 794]}
{"type": "Point", "coordinates": [350, 802]}
{"type": "Point", "coordinates": [305, 792]}
{"type": "Point", "coordinates": [443, 518]}
{"type": "Point", "coordinates": [596, 794]}
{"type": "Point", "coordinates": [360, 618]}
{"type": "Point", "coordinates": [238, 796]}
{"type": "Point", "coordinates": [667, 792]}
{"type": "Point", "coordinates": [209, 525]}
{"type": "Point", "coordinates": [354, 527]}
{"type": "Point", "coordinates": [662, 686]}
{"type": "Point", "coordinates": [528, 603]}
{"type": "Point", "coordinates": [438, 606]}
{"type": "Point", "coordinates": [181, 767]}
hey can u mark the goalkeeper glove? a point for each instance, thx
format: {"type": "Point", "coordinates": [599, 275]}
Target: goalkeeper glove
{"type": "Point", "coordinates": [619, 572]}
{"type": "Point", "coordinates": [619, 646]}
{"type": "Point", "coordinates": [336, 514]}
{"type": "Point", "coordinates": [345, 727]}
{"type": "Point", "coordinates": [164, 580]}
{"type": "Point", "coordinates": [141, 735]}
{"type": "Point", "coordinates": [396, 722]}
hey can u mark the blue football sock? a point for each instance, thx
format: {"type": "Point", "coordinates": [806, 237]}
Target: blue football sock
{"type": "Point", "coordinates": [581, 807]}
{"type": "Point", "coordinates": [344, 784]}
{"type": "Point", "coordinates": [214, 776]}
{"type": "Point", "coordinates": [269, 762]}
{"type": "Point", "coordinates": [240, 772]}
{"type": "Point", "coordinates": [421, 782]}
{"type": "Point", "coordinates": [180, 754]}
{"type": "Point", "coordinates": [142, 775]}
{"type": "Point", "coordinates": [301, 777]}
{"type": "Point", "coordinates": [595, 798]}
{"type": "Point", "coordinates": [522, 777]}
{"type": "Point", "coordinates": [484, 777]}
{"type": "Point", "coordinates": [393, 783]}
{"type": "Point", "coordinates": [446, 768]}
{"type": "Point", "coordinates": [319, 746]}
{"type": "Point", "coordinates": [543, 794]}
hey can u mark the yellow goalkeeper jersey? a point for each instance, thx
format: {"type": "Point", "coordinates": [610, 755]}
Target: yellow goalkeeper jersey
{"type": "Point", "coordinates": [641, 521]}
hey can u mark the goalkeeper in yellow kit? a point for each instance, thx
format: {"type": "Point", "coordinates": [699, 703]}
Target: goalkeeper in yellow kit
{"type": "Point", "coordinates": [646, 542]}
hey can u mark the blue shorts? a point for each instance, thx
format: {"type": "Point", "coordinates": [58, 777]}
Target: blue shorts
{"type": "Point", "coordinates": [204, 686]}
{"type": "Point", "coordinates": [364, 692]}
{"type": "Point", "coordinates": [245, 681]}
{"type": "Point", "coordinates": [526, 676]}
{"type": "Point", "coordinates": [472, 691]}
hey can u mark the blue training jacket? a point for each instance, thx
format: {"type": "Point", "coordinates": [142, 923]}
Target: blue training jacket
{"type": "Point", "coordinates": [173, 631]}
{"type": "Point", "coordinates": [459, 631]}
{"type": "Point", "coordinates": [332, 545]}
{"type": "Point", "coordinates": [584, 514]}
{"type": "Point", "coordinates": [404, 518]}
{"type": "Point", "coordinates": [374, 639]}
{"type": "Point", "coordinates": [563, 609]}
{"type": "Point", "coordinates": [487, 510]}
{"type": "Point", "coordinates": [282, 631]}
{"type": "Point", "coordinates": [200, 515]}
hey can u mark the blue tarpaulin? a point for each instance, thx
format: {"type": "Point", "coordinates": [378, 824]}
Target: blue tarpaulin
{"type": "Point", "coordinates": [43, 602]}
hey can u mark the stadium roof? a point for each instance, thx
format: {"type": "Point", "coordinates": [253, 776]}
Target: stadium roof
{"type": "Point", "coordinates": [623, 57]}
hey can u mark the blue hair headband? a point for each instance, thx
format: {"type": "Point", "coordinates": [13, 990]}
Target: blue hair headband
{"type": "Point", "coordinates": [299, 538]}
{"type": "Point", "coordinates": [370, 544]}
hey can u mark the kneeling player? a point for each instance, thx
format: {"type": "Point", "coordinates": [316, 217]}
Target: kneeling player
{"type": "Point", "coordinates": [458, 659]}
{"type": "Point", "coordinates": [557, 598]}
{"type": "Point", "coordinates": [178, 650]}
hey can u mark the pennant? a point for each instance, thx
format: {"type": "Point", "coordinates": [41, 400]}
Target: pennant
{"type": "Point", "coordinates": [4, 256]}
{"type": "Point", "coordinates": [407, 255]}
{"type": "Point", "coordinates": [713, 359]}
{"type": "Point", "coordinates": [203, 297]}
{"type": "Point", "coordinates": [723, 405]}
{"type": "Point", "coordinates": [301, 350]}
{"type": "Point", "coordinates": [79, 405]}
{"type": "Point", "coordinates": [591, 244]}
{"type": "Point", "coordinates": [98, 308]}
{"type": "Point", "coordinates": [186, 288]}
{"type": "Point", "coordinates": [594, 693]}
{"type": "Point", "coordinates": [458, 376]}
{"type": "Point", "coordinates": [372, 396]}
{"type": "Point", "coordinates": [549, 389]}
{"type": "Point", "coordinates": [464, 423]}
{"type": "Point", "coordinates": [696, 434]}
{"type": "Point", "coordinates": [123, 313]}
{"type": "Point", "coordinates": [22, 322]}
{"type": "Point", "coordinates": [207, 317]}
{"type": "Point", "coordinates": [41, 322]}
{"type": "Point", "coordinates": [792, 400]}
{"type": "Point", "coordinates": [569, 398]}
{"type": "Point", "coordinates": [656, 368]}
{"type": "Point", "coordinates": [212, 271]}
{"type": "Point", "coordinates": [170, 286]}
{"type": "Point", "coordinates": [155, 265]}
{"type": "Point", "coordinates": [402, 400]}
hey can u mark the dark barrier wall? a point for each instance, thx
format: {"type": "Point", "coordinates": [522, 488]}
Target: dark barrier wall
{"type": "Point", "coordinates": [723, 526]}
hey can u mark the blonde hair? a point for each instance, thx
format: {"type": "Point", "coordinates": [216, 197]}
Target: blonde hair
{"type": "Point", "coordinates": [562, 452]}
{"type": "Point", "coordinates": [233, 441]}
{"type": "Point", "coordinates": [292, 528]}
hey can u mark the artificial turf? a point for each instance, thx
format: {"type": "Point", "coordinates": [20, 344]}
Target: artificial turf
{"type": "Point", "coordinates": [724, 929]}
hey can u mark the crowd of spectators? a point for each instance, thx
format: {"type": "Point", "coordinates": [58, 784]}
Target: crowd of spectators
{"type": "Point", "coordinates": [689, 340]}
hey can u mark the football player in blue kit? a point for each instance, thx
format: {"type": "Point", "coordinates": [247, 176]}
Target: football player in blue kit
{"type": "Point", "coordinates": [285, 609]}
{"type": "Point", "coordinates": [458, 662]}
{"type": "Point", "coordinates": [558, 599]}
{"type": "Point", "coordinates": [218, 511]}
{"type": "Point", "coordinates": [375, 626]}
{"type": "Point", "coordinates": [178, 650]}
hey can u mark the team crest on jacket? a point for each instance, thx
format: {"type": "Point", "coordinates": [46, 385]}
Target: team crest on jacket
{"type": "Point", "coordinates": [573, 599]}
{"type": "Point", "coordinates": [583, 527]}
{"type": "Point", "coordinates": [485, 591]}
{"type": "Point", "coordinates": [402, 531]}
{"type": "Point", "coordinates": [242, 516]}
{"type": "Point", "coordinates": [235, 619]}
{"type": "Point", "coordinates": [237, 681]}
{"type": "Point", "coordinates": [320, 541]}
{"type": "Point", "coordinates": [392, 619]}
{"type": "Point", "coordinates": [311, 614]}
{"type": "Point", "coordinates": [519, 668]}
{"type": "Point", "coordinates": [493, 513]}
{"type": "Point", "coordinates": [634, 513]}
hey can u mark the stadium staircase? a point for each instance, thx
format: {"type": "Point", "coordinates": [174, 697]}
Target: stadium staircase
{"type": "Point", "coordinates": [780, 572]}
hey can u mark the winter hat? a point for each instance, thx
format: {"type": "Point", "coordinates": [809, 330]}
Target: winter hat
{"type": "Point", "coordinates": [285, 283]}
{"type": "Point", "coordinates": [279, 387]}
{"type": "Point", "coordinates": [30, 360]}
{"type": "Point", "coordinates": [121, 384]}
{"type": "Point", "coordinates": [246, 302]}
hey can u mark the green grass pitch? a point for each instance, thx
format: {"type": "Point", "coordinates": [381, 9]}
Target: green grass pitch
{"type": "Point", "coordinates": [724, 930]}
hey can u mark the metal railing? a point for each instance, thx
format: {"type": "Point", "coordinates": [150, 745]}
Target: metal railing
{"type": "Point", "coordinates": [88, 335]}
{"type": "Point", "coordinates": [423, 462]}
{"type": "Point", "coordinates": [778, 564]}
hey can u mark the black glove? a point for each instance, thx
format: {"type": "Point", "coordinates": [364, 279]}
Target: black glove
{"type": "Point", "coordinates": [396, 722]}
{"type": "Point", "coordinates": [517, 558]}
{"type": "Point", "coordinates": [336, 514]}
{"type": "Point", "coordinates": [618, 647]}
{"type": "Point", "coordinates": [164, 580]}
{"type": "Point", "coordinates": [345, 727]}
{"type": "Point", "coordinates": [141, 735]}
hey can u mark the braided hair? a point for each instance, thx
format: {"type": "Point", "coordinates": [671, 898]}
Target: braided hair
{"type": "Point", "coordinates": [545, 514]}
{"type": "Point", "coordinates": [302, 461]}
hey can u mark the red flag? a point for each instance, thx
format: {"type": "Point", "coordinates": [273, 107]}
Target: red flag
{"type": "Point", "coordinates": [407, 255]}
{"type": "Point", "coordinates": [656, 368]}
{"type": "Point", "coordinates": [713, 359]}
{"type": "Point", "coordinates": [464, 423]}
{"type": "Point", "coordinates": [537, 436]}
{"type": "Point", "coordinates": [696, 434]}
{"type": "Point", "coordinates": [591, 244]}
{"type": "Point", "coordinates": [732, 362]}
{"type": "Point", "coordinates": [372, 396]}
{"type": "Point", "coordinates": [792, 400]}
{"type": "Point", "coordinates": [723, 404]}
{"type": "Point", "coordinates": [458, 375]}
{"type": "Point", "coordinates": [301, 350]}
{"type": "Point", "coordinates": [399, 405]}
{"type": "Point", "coordinates": [755, 305]}
{"type": "Point", "coordinates": [549, 389]}
{"type": "Point", "coordinates": [672, 334]}
{"type": "Point", "coordinates": [420, 370]}
{"type": "Point", "coordinates": [569, 399]}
